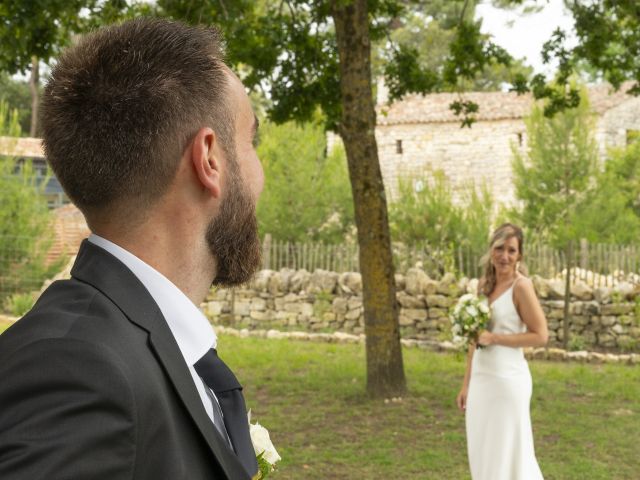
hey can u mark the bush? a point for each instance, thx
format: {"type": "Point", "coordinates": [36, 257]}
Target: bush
{"type": "Point", "coordinates": [24, 221]}
{"type": "Point", "coordinates": [307, 194]}
{"type": "Point", "coordinates": [425, 215]}
{"type": "Point", "coordinates": [19, 303]}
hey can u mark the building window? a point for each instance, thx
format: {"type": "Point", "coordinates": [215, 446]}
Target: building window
{"type": "Point", "coordinates": [632, 136]}
{"type": "Point", "coordinates": [399, 146]}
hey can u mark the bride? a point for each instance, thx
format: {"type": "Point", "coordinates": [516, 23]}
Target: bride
{"type": "Point", "coordinates": [497, 385]}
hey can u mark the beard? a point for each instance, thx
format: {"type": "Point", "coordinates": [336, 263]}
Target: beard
{"type": "Point", "coordinates": [232, 236]}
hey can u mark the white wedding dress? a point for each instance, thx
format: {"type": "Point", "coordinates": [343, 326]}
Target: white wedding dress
{"type": "Point", "coordinates": [499, 435]}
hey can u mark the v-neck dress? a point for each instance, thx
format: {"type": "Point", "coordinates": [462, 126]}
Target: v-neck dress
{"type": "Point", "coordinates": [498, 423]}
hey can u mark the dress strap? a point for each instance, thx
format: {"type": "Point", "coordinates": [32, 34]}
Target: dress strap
{"type": "Point", "coordinates": [516, 281]}
{"type": "Point", "coordinates": [513, 290]}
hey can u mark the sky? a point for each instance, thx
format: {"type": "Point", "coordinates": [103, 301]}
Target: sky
{"type": "Point", "coordinates": [524, 38]}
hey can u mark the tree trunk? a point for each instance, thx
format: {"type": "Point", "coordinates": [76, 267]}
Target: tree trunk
{"type": "Point", "coordinates": [385, 371]}
{"type": "Point", "coordinates": [34, 84]}
{"type": "Point", "coordinates": [567, 295]}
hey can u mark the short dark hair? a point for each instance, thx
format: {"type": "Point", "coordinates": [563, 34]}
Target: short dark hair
{"type": "Point", "coordinates": [122, 104]}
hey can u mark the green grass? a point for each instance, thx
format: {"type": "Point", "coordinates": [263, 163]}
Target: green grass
{"type": "Point", "coordinates": [586, 418]}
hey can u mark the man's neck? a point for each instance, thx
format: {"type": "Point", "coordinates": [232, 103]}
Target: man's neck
{"type": "Point", "coordinates": [186, 262]}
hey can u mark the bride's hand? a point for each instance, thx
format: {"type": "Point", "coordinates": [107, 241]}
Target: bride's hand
{"type": "Point", "coordinates": [486, 338]}
{"type": "Point", "coordinates": [461, 399]}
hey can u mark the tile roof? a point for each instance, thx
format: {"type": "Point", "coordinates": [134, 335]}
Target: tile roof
{"type": "Point", "coordinates": [434, 108]}
{"type": "Point", "coordinates": [21, 147]}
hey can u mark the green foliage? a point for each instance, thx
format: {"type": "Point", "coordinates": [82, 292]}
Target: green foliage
{"type": "Point", "coordinates": [437, 46]}
{"type": "Point", "coordinates": [264, 467]}
{"type": "Point", "coordinates": [291, 48]}
{"type": "Point", "coordinates": [19, 303]}
{"type": "Point", "coordinates": [608, 34]}
{"type": "Point", "coordinates": [24, 220]}
{"type": "Point", "coordinates": [425, 212]}
{"type": "Point", "coordinates": [43, 28]}
{"type": "Point", "coordinates": [628, 344]}
{"type": "Point", "coordinates": [576, 343]}
{"type": "Point", "coordinates": [37, 29]}
{"type": "Point", "coordinates": [636, 311]}
{"type": "Point", "coordinates": [553, 176]}
{"type": "Point", "coordinates": [307, 194]}
{"type": "Point", "coordinates": [611, 212]}
{"type": "Point", "coordinates": [17, 97]}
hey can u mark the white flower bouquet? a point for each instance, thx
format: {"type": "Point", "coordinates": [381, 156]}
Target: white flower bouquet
{"type": "Point", "coordinates": [468, 318]}
{"type": "Point", "coordinates": [266, 453]}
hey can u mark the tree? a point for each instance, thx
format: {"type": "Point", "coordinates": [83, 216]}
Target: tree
{"type": "Point", "coordinates": [35, 32]}
{"type": "Point", "coordinates": [317, 54]}
{"type": "Point", "coordinates": [608, 33]}
{"type": "Point", "coordinates": [425, 213]}
{"type": "Point", "coordinates": [385, 371]}
{"type": "Point", "coordinates": [553, 177]}
{"type": "Point", "coordinates": [17, 97]}
{"type": "Point", "coordinates": [429, 28]}
{"type": "Point", "coordinates": [24, 219]}
{"type": "Point", "coordinates": [611, 211]}
{"type": "Point", "coordinates": [303, 183]}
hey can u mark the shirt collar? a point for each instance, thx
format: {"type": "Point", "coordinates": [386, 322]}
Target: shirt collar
{"type": "Point", "coordinates": [190, 328]}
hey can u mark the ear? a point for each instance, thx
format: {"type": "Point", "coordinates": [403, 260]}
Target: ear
{"type": "Point", "coordinates": [205, 162]}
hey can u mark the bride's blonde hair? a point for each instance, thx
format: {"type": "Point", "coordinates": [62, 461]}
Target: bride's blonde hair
{"type": "Point", "coordinates": [499, 237]}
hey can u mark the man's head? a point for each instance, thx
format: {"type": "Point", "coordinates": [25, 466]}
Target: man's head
{"type": "Point", "coordinates": [123, 109]}
{"type": "Point", "coordinates": [122, 105]}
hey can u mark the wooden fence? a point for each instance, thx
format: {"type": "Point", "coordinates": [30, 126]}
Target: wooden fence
{"type": "Point", "coordinates": [595, 264]}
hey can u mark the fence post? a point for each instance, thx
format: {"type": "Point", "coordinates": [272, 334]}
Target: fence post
{"type": "Point", "coordinates": [584, 254]}
{"type": "Point", "coordinates": [266, 252]}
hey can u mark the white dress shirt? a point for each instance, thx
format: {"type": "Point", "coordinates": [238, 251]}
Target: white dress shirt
{"type": "Point", "coordinates": [191, 329]}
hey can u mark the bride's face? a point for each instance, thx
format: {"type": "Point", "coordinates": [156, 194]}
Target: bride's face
{"type": "Point", "coordinates": [505, 257]}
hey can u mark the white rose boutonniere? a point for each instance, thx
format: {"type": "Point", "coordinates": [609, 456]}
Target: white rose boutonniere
{"type": "Point", "coordinates": [266, 453]}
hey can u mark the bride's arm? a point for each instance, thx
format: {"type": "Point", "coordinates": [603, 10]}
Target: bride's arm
{"type": "Point", "coordinates": [461, 399]}
{"type": "Point", "coordinates": [530, 311]}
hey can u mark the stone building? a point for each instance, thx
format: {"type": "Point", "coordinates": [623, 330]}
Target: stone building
{"type": "Point", "coordinates": [420, 134]}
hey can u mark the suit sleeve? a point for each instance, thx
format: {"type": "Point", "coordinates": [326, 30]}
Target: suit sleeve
{"type": "Point", "coordinates": [67, 411]}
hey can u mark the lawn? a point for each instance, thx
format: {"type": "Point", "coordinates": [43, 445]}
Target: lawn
{"type": "Point", "coordinates": [310, 396]}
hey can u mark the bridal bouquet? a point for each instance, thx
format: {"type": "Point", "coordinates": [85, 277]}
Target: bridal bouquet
{"type": "Point", "coordinates": [266, 453]}
{"type": "Point", "coordinates": [468, 318]}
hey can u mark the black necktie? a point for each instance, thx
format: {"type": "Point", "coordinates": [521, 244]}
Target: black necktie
{"type": "Point", "coordinates": [221, 380]}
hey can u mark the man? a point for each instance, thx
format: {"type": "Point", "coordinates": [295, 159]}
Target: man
{"type": "Point", "coordinates": [114, 373]}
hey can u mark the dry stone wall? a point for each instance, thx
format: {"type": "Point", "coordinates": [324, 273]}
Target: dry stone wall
{"type": "Point", "coordinates": [602, 318]}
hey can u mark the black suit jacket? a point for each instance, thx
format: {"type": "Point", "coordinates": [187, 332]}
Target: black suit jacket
{"type": "Point", "coordinates": [93, 386]}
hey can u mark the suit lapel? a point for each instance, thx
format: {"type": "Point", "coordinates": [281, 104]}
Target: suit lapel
{"type": "Point", "coordinates": [106, 273]}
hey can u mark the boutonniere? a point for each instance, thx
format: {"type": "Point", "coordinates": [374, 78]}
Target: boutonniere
{"type": "Point", "coordinates": [266, 453]}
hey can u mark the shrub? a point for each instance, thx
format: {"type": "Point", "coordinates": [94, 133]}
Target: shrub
{"type": "Point", "coordinates": [19, 303]}
{"type": "Point", "coordinates": [24, 220]}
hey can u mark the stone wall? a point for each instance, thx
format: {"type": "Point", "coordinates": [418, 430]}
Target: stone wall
{"type": "Point", "coordinates": [612, 127]}
{"type": "Point", "coordinates": [482, 153]}
{"type": "Point", "coordinates": [328, 302]}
